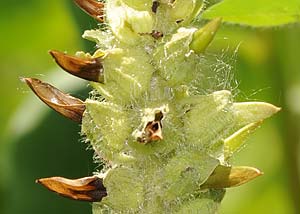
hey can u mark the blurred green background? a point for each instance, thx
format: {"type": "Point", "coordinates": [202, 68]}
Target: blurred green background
{"type": "Point", "coordinates": [36, 142]}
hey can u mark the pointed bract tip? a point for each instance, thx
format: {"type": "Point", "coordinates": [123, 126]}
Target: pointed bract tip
{"type": "Point", "coordinates": [203, 37]}
{"type": "Point", "coordinates": [235, 141]}
{"type": "Point", "coordinates": [251, 112]}
{"type": "Point", "coordinates": [22, 79]}
{"type": "Point", "coordinates": [88, 69]}
{"type": "Point", "coordinates": [226, 177]}
{"type": "Point", "coordinates": [64, 104]}
{"type": "Point", "coordinates": [278, 109]}
{"type": "Point", "coordinates": [272, 108]}
{"type": "Point", "coordinates": [84, 189]}
{"type": "Point", "coordinates": [92, 8]}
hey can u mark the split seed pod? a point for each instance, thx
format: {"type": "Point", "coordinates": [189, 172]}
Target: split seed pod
{"type": "Point", "coordinates": [89, 69]}
{"type": "Point", "coordinates": [64, 104]}
{"type": "Point", "coordinates": [83, 189]}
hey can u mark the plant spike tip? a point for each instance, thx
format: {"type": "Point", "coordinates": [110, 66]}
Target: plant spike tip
{"type": "Point", "coordinates": [64, 104]}
{"type": "Point", "coordinates": [84, 189]}
{"type": "Point", "coordinates": [203, 37]}
{"type": "Point", "coordinates": [88, 69]}
{"type": "Point", "coordinates": [163, 133]}
{"type": "Point", "coordinates": [92, 7]}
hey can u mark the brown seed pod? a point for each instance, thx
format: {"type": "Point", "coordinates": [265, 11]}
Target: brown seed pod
{"type": "Point", "coordinates": [64, 104]}
{"type": "Point", "coordinates": [89, 69]}
{"type": "Point", "coordinates": [92, 7]}
{"type": "Point", "coordinates": [83, 189]}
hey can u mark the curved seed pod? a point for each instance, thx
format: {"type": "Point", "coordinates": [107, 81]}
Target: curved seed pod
{"type": "Point", "coordinates": [225, 177]}
{"type": "Point", "coordinates": [83, 189]}
{"type": "Point", "coordinates": [89, 69]}
{"type": "Point", "coordinates": [64, 104]}
{"type": "Point", "coordinates": [92, 7]}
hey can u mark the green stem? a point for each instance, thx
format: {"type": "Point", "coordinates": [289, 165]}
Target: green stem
{"type": "Point", "coordinates": [286, 71]}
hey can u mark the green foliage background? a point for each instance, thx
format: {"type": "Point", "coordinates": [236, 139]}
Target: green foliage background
{"type": "Point", "coordinates": [36, 142]}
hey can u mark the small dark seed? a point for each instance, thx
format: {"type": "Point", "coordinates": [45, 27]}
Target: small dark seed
{"type": "Point", "coordinates": [155, 6]}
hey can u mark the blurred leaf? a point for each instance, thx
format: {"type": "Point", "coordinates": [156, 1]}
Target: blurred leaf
{"type": "Point", "coordinates": [52, 148]}
{"type": "Point", "coordinates": [29, 29]}
{"type": "Point", "coordinates": [257, 13]}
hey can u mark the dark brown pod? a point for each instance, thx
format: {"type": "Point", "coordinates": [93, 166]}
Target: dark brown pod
{"type": "Point", "coordinates": [64, 104]}
{"type": "Point", "coordinates": [89, 69]}
{"type": "Point", "coordinates": [83, 189]}
{"type": "Point", "coordinates": [92, 7]}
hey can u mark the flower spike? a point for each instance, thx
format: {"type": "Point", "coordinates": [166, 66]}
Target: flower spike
{"type": "Point", "coordinates": [92, 7]}
{"type": "Point", "coordinates": [83, 189]}
{"type": "Point", "coordinates": [64, 104]}
{"type": "Point", "coordinates": [89, 69]}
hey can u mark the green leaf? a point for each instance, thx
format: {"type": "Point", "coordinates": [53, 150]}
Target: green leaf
{"type": "Point", "coordinates": [257, 13]}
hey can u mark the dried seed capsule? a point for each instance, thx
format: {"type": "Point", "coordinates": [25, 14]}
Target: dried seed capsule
{"type": "Point", "coordinates": [89, 69]}
{"type": "Point", "coordinates": [64, 104]}
{"type": "Point", "coordinates": [152, 130]}
{"type": "Point", "coordinates": [83, 189]}
{"type": "Point", "coordinates": [92, 7]}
